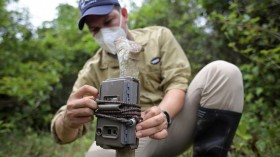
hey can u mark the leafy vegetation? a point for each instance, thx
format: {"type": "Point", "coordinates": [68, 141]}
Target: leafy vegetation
{"type": "Point", "coordinates": [39, 66]}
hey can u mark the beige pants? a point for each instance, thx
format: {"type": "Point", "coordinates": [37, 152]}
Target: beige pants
{"type": "Point", "coordinates": [218, 85]}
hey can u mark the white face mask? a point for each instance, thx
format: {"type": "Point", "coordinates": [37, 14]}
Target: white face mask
{"type": "Point", "coordinates": [106, 37]}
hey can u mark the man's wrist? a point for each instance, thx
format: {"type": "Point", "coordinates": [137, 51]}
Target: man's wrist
{"type": "Point", "coordinates": [64, 132]}
{"type": "Point", "coordinates": [168, 118]}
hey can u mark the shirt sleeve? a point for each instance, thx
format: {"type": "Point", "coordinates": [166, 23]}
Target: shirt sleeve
{"type": "Point", "coordinates": [175, 65]}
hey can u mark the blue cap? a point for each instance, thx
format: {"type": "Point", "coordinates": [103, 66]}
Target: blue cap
{"type": "Point", "coordinates": [95, 7]}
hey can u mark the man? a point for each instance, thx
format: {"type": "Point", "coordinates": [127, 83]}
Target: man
{"type": "Point", "coordinates": [205, 114]}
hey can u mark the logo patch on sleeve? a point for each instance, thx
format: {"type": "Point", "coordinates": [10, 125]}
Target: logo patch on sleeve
{"type": "Point", "coordinates": [155, 60]}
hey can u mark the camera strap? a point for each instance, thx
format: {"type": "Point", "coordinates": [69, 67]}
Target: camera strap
{"type": "Point", "coordinates": [127, 113]}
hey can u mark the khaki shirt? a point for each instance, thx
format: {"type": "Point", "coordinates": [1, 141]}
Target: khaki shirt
{"type": "Point", "coordinates": [162, 64]}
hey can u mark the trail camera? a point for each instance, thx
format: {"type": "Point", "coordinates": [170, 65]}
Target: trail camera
{"type": "Point", "coordinates": [118, 113]}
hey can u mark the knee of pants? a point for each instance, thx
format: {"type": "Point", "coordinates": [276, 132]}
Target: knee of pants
{"type": "Point", "coordinates": [228, 69]}
{"type": "Point", "coordinates": [223, 88]}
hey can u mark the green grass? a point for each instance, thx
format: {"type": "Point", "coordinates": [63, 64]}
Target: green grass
{"type": "Point", "coordinates": [33, 144]}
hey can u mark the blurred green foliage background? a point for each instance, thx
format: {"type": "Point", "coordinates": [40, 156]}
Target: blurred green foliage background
{"type": "Point", "coordinates": [38, 67]}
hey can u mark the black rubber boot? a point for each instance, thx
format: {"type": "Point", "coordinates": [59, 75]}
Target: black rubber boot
{"type": "Point", "coordinates": [215, 132]}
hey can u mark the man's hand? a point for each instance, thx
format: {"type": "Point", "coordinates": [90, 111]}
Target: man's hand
{"type": "Point", "coordinates": [80, 107]}
{"type": "Point", "coordinates": [154, 124]}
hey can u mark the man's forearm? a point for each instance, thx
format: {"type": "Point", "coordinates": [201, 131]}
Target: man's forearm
{"type": "Point", "coordinates": [173, 101]}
